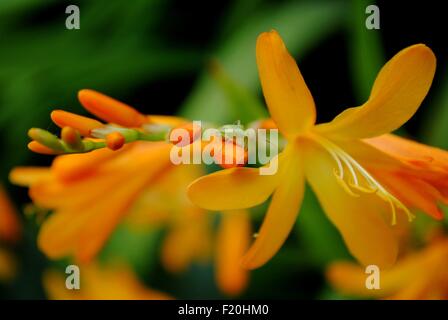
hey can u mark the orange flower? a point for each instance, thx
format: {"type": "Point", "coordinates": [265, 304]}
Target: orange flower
{"type": "Point", "coordinates": [91, 193]}
{"type": "Point", "coordinates": [418, 275]}
{"type": "Point", "coordinates": [8, 265]}
{"type": "Point", "coordinates": [232, 242]}
{"type": "Point", "coordinates": [10, 232]}
{"type": "Point", "coordinates": [356, 180]}
{"type": "Point", "coordinates": [82, 134]}
{"type": "Point", "coordinates": [419, 179]}
{"type": "Point", "coordinates": [189, 238]}
{"type": "Point", "coordinates": [10, 228]}
{"type": "Point", "coordinates": [97, 282]}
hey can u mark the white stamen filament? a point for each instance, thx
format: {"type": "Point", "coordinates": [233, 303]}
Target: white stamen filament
{"type": "Point", "coordinates": [341, 157]}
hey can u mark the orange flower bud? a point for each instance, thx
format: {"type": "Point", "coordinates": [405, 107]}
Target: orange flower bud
{"type": "Point", "coordinates": [110, 110]}
{"type": "Point", "coordinates": [46, 138]}
{"type": "Point", "coordinates": [40, 148]}
{"type": "Point", "coordinates": [238, 154]}
{"type": "Point", "coordinates": [176, 137]}
{"type": "Point", "coordinates": [70, 136]}
{"type": "Point", "coordinates": [67, 119]}
{"type": "Point", "coordinates": [115, 140]}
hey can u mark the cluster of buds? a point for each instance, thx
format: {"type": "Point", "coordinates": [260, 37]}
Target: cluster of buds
{"type": "Point", "coordinates": [122, 125]}
{"type": "Point", "coordinates": [82, 134]}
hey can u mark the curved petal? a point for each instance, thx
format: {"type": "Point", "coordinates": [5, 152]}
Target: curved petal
{"type": "Point", "coordinates": [89, 209]}
{"type": "Point", "coordinates": [10, 228]}
{"type": "Point", "coordinates": [84, 231]}
{"type": "Point", "coordinates": [26, 176]}
{"type": "Point", "coordinates": [350, 278]}
{"type": "Point", "coordinates": [232, 242]}
{"type": "Point", "coordinates": [368, 237]}
{"type": "Point", "coordinates": [288, 98]}
{"type": "Point", "coordinates": [235, 188]}
{"type": "Point", "coordinates": [281, 215]}
{"type": "Point", "coordinates": [90, 183]}
{"type": "Point", "coordinates": [52, 193]}
{"type": "Point", "coordinates": [186, 243]}
{"type": "Point", "coordinates": [398, 91]}
{"type": "Point", "coordinates": [408, 279]}
{"type": "Point", "coordinates": [74, 166]}
{"type": "Point", "coordinates": [412, 152]}
{"type": "Point", "coordinates": [394, 166]}
{"type": "Point", "coordinates": [415, 193]}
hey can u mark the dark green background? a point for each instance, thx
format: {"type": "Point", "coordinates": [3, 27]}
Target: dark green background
{"type": "Point", "coordinates": [154, 55]}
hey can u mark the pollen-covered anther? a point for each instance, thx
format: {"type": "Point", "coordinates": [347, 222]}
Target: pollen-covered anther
{"type": "Point", "coordinates": [115, 140]}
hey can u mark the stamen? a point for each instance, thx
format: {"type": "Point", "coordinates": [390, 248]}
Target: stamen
{"type": "Point", "coordinates": [344, 185]}
{"type": "Point", "coordinates": [372, 186]}
{"type": "Point", "coordinates": [363, 189]}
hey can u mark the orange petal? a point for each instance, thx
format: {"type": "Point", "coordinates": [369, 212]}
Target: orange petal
{"type": "Point", "coordinates": [100, 282]}
{"type": "Point", "coordinates": [232, 242]}
{"type": "Point", "coordinates": [408, 279]}
{"type": "Point", "coordinates": [109, 109]}
{"type": "Point", "coordinates": [229, 155]}
{"type": "Point", "coordinates": [391, 163]}
{"type": "Point", "coordinates": [26, 176]}
{"type": "Point", "coordinates": [94, 177]}
{"type": "Point", "coordinates": [229, 189]}
{"type": "Point", "coordinates": [398, 91]}
{"type": "Point", "coordinates": [359, 219]}
{"type": "Point", "coordinates": [281, 215]}
{"type": "Point", "coordinates": [412, 152]}
{"type": "Point", "coordinates": [53, 193]}
{"type": "Point", "coordinates": [289, 100]}
{"type": "Point", "coordinates": [88, 209]}
{"type": "Point", "coordinates": [186, 243]}
{"type": "Point", "coordinates": [10, 228]}
{"type": "Point", "coordinates": [413, 192]}
{"type": "Point", "coordinates": [83, 231]}
{"type": "Point", "coordinates": [75, 166]}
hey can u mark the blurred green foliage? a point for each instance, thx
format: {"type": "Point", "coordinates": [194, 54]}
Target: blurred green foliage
{"type": "Point", "coordinates": [121, 45]}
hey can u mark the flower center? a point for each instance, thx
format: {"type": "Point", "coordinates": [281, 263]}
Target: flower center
{"type": "Point", "coordinates": [358, 179]}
